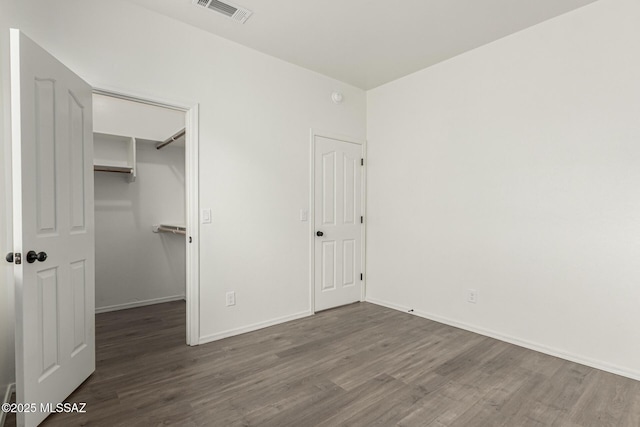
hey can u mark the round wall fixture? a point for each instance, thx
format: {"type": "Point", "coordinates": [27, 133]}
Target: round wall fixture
{"type": "Point", "coordinates": [337, 97]}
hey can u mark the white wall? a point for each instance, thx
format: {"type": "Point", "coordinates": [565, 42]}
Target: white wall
{"type": "Point", "coordinates": [133, 264]}
{"type": "Point", "coordinates": [514, 170]}
{"type": "Point", "coordinates": [255, 116]}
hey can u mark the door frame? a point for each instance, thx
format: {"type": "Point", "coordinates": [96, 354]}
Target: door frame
{"type": "Point", "coordinates": [192, 205]}
{"type": "Point", "coordinates": [312, 209]}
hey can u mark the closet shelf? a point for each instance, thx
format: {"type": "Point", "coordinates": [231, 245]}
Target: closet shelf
{"type": "Point", "coordinates": [114, 153]}
{"type": "Point", "coordinates": [167, 228]}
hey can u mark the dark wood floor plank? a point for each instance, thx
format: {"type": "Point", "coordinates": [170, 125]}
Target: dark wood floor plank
{"type": "Point", "coordinates": [359, 365]}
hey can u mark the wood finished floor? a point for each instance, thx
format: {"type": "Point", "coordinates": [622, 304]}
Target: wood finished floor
{"type": "Point", "coordinates": [360, 365]}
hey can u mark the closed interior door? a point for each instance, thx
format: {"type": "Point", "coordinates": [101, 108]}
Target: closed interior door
{"type": "Point", "coordinates": [338, 228]}
{"type": "Point", "coordinates": [51, 113]}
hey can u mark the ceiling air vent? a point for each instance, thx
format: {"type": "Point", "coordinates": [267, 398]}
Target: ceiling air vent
{"type": "Point", "coordinates": [233, 11]}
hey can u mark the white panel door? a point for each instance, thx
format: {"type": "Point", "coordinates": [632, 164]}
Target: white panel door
{"type": "Point", "coordinates": [338, 231]}
{"type": "Point", "coordinates": [52, 146]}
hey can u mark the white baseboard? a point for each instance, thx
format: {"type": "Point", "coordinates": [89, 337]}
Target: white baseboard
{"type": "Point", "coordinates": [138, 304]}
{"type": "Point", "coordinates": [11, 388]}
{"type": "Point", "coordinates": [597, 364]}
{"type": "Point", "coordinates": [254, 327]}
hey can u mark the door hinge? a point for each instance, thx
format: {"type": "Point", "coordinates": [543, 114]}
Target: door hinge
{"type": "Point", "coordinates": [361, 220]}
{"type": "Point", "coordinates": [361, 162]}
{"type": "Point", "coordinates": [360, 276]}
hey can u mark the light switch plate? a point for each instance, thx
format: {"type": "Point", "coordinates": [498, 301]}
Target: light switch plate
{"type": "Point", "coordinates": [304, 215]}
{"type": "Point", "coordinates": [206, 216]}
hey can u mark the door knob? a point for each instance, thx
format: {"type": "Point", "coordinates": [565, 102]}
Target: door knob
{"type": "Point", "coordinates": [319, 233]}
{"type": "Point", "coordinates": [9, 257]}
{"type": "Point", "coordinates": [32, 257]}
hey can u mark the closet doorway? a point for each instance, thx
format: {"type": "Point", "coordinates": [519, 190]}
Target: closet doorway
{"type": "Point", "coordinates": [146, 211]}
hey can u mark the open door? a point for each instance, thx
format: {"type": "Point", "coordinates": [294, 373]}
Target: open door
{"type": "Point", "coordinates": [51, 120]}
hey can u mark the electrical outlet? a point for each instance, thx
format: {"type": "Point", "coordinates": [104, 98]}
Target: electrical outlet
{"type": "Point", "coordinates": [231, 298]}
{"type": "Point", "coordinates": [472, 296]}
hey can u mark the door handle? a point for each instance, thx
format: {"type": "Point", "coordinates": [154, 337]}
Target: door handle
{"type": "Point", "coordinates": [319, 233]}
{"type": "Point", "coordinates": [32, 257]}
{"type": "Point", "coordinates": [9, 257]}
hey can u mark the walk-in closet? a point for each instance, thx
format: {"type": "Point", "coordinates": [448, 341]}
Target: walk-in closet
{"type": "Point", "coordinates": [139, 171]}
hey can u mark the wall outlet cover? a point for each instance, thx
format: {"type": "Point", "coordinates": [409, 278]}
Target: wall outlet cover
{"type": "Point", "coordinates": [472, 296]}
{"type": "Point", "coordinates": [231, 298]}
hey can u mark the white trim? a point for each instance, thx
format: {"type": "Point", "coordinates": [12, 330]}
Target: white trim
{"type": "Point", "coordinates": [11, 388]}
{"type": "Point", "coordinates": [312, 220]}
{"type": "Point", "coordinates": [128, 95]}
{"type": "Point", "coordinates": [597, 364]}
{"type": "Point", "coordinates": [135, 304]}
{"type": "Point", "coordinates": [312, 209]}
{"type": "Point", "coordinates": [363, 287]}
{"type": "Point", "coordinates": [16, 179]}
{"type": "Point", "coordinates": [254, 327]}
{"type": "Point", "coordinates": [192, 179]}
{"type": "Point", "coordinates": [192, 182]}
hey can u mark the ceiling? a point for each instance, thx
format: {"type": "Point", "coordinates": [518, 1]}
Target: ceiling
{"type": "Point", "coordinates": [367, 42]}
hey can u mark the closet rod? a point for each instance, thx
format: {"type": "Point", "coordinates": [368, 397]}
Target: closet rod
{"type": "Point", "coordinates": [169, 140]}
{"type": "Point", "coordinates": [175, 229]}
{"type": "Point", "coordinates": [118, 169]}
{"type": "Point", "coordinates": [172, 230]}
